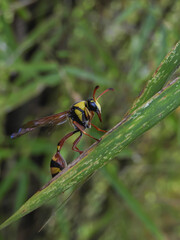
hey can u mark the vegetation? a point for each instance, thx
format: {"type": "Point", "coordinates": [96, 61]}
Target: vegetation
{"type": "Point", "coordinates": [53, 54]}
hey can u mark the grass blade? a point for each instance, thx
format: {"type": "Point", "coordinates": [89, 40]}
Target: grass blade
{"type": "Point", "coordinates": [167, 67]}
{"type": "Point", "coordinates": [99, 154]}
{"type": "Point", "coordinates": [132, 203]}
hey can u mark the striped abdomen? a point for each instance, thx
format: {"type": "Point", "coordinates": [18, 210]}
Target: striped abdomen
{"type": "Point", "coordinates": [57, 164]}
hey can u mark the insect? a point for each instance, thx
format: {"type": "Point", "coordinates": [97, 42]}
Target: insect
{"type": "Point", "coordinates": [80, 115]}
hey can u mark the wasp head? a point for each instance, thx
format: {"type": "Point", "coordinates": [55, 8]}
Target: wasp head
{"type": "Point", "coordinates": [93, 104]}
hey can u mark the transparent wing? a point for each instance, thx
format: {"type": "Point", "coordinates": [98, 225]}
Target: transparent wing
{"type": "Point", "coordinates": [48, 121]}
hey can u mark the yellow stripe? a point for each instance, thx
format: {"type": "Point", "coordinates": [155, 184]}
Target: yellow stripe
{"type": "Point", "coordinates": [55, 170]}
{"type": "Point", "coordinates": [87, 113]}
{"type": "Point", "coordinates": [81, 104]}
{"type": "Point", "coordinates": [79, 114]}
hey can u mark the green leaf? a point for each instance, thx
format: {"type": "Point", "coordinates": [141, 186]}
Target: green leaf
{"type": "Point", "coordinates": [100, 153]}
{"type": "Point", "coordinates": [112, 177]}
{"type": "Point", "coordinates": [87, 75]}
{"type": "Point", "coordinates": [34, 37]}
{"type": "Point", "coordinates": [31, 90]}
{"type": "Point", "coordinates": [167, 67]}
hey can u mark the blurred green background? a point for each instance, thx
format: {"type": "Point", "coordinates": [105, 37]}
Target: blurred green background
{"type": "Point", "coordinates": [53, 53]}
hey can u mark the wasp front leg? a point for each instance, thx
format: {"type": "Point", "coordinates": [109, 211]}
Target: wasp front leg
{"type": "Point", "coordinates": [82, 130]}
{"type": "Point", "coordinates": [101, 130]}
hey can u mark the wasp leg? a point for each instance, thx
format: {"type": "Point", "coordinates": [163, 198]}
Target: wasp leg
{"type": "Point", "coordinates": [74, 147]}
{"type": "Point", "coordinates": [101, 130]}
{"type": "Point", "coordinates": [82, 130]}
{"type": "Point", "coordinates": [61, 142]}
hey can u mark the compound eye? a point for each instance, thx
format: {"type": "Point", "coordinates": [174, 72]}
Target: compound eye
{"type": "Point", "coordinates": [92, 105]}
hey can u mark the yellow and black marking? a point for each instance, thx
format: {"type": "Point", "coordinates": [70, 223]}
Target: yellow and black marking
{"type": "Point", "coordinates": [57, 164]}
{"type": "Point", "coordinates": [80, 113]}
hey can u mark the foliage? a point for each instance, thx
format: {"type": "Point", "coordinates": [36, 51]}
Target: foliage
{"type": "Point", "coordinates": [51, 53]}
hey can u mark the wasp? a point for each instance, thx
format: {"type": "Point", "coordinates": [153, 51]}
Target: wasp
{"type": "Point", "coordinates": [80, 115]}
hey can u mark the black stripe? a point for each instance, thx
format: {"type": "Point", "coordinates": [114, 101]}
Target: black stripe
{"type": "Point", "coordinates": [53, 175]}
{"type": "Point", "coordinates": [75, 117]}
{"type": "Point", "coordinates": [83, 114]}
{"type": "Point", "coordinates": [55, 164]}
{"type": "Point", "coordinates": [78, 108]}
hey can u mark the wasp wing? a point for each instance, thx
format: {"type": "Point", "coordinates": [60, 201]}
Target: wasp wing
{"type": "Point", "coordinates": [48, 121]}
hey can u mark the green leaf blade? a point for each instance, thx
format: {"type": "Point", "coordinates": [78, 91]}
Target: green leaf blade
{"type": "Point", "coordinates": [99, 154]}
{"type": "Point", "coordinates": [167, 67]}
{"type": "Point", "coordinates": [133, 204]}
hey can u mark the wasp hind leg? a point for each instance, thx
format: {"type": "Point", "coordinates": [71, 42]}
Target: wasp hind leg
{"type": "Point", "coordinates": [58, 163]}
{"type": "Point", "coordinates": [61, 142]}
{"type": "Point", "coordinates": [74, 147]}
